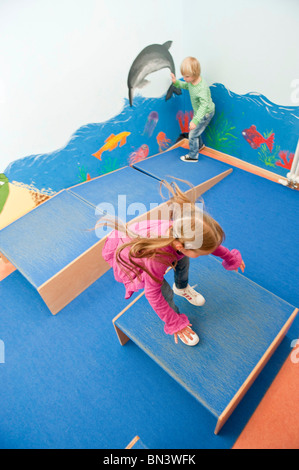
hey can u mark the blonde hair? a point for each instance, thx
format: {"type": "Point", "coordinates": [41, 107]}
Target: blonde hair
{"type": "Point", "coordinates": [152, 247]}
{"type": "Point", "coordinates": [191, 66]}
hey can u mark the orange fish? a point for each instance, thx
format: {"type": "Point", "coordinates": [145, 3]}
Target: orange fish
{"type": "Point", "coordinates": [112, 142]}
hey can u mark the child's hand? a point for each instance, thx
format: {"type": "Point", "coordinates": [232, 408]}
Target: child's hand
{"type": "Point", "coordinates": [173, 78]}
{"type": "Point", "coordinates": [184, 333]}
{"type": "Point", "coordinates": [242, 266]}
{"type": "Point", "coordinates": [192, 126]}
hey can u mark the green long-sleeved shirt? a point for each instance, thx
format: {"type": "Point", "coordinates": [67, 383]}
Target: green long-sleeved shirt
{"type": "Point", "coordinates": [200, 96]}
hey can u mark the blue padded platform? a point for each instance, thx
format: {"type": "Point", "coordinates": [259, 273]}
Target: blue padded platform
{"type": "Point", "coordinates": [134, 185]}
{"type": "Point", "coordinates": [45, 240]}
{"type": "Point", "coordinates": [236, 326]}
{"type": "Point", "coordinates": [168, 164]}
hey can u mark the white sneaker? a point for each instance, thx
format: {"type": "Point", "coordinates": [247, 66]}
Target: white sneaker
{"type": "Point", "coordinates": [190, 342]}
{"type": "Point", "coordinates": [195, 298]}
{"type": "Point", "coordinates": [186, 158]}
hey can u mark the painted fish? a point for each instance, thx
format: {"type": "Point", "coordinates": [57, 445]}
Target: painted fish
{"type": "Point", "coordinates": [111, 143]}
{"type": "Point", "coordinates": [255, 139]}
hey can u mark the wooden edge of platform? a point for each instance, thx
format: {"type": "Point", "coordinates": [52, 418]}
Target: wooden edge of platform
{"type": "Point", "coordinates": [133, 442]}
{"type": "Point", "coordinates": [242, 165]}
{"type": "Point", "coordinates": [236, 162]}
{"type": "Point", "coordinates": [255, 372]}
{"type": "Point", "coordinates": [74, 278]}
{"type": "Point", "coordinates": [123, 338]}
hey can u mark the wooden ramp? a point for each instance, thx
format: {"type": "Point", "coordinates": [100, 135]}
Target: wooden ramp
{"type": "Point", "coordinates": [240, 326]}
{"type": "Point", "coordinates": [55, 245]}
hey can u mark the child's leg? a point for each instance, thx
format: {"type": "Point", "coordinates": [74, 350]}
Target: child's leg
{"type": "Point", "coordinates": [195, 139]}
{"type": "Point", "coordinates": [167, 293]}
{"type": "Point", "coordinates": [181, 273]}
{"type": "Point", "coordinates": [181, 286]}
{"type": "Point", "coordinates": [194, 143]}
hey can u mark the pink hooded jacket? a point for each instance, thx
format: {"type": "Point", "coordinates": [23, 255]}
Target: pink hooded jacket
{"type": "Point", "coordinates": [174, 322]}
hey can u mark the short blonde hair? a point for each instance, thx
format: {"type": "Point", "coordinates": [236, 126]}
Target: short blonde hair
{"type": "Point", "coordinates": [190, 66]}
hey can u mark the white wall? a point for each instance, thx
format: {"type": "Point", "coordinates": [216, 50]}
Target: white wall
{"type": "Point", "coordinates": [248, 45]}
{"type": "Point", "coordinates": [64, 63]}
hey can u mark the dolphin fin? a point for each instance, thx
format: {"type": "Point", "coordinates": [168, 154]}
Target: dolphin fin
{"type": "Point", "coordinates": [177, 91]}
{"type": "Point", "coordinates": [167, 44]}
{"type": "Point", "coordinates": [172, 89]}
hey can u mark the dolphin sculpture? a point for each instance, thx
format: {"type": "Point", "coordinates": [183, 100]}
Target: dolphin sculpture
{"type": "Point", "coordinates": [151, 59]}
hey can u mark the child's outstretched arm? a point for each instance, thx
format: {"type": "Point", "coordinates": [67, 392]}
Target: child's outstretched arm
{"type": "Point", "coordinates": [232, 260]}
{"type": "Point", "coordinates": [174, 322]}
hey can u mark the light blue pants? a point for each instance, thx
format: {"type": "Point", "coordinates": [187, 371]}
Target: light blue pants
{"type": "Point", "coordinates": [181, 273]}
{"type": "Point", "coordinates": [195, 140]}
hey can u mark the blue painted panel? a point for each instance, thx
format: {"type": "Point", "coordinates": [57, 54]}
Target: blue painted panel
{"type": "Point", "coordinates": [236, 326]}
{"type": "Point", "coordinates": [169, 164]}
{"type": "Point", "coordinates": [49, 237]}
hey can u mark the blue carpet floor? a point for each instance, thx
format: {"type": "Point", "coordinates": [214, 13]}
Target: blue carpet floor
{"type": "Point", "coordinates": [66, 382]}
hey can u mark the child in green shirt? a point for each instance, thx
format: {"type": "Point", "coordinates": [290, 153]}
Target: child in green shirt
{"type": "Point", "coordinates": [202, 104]}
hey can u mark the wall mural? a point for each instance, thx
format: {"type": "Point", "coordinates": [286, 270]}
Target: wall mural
{"type": "Point", "coordinates": [248, 127]}
{"type": "Point", "coordinates": [252, 128]}
{"type": "Point", "coordinates": [151, 59]}
{"type": "Point", "coordinates": [95, 149]}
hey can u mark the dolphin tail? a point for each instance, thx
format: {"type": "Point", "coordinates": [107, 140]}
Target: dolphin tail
{"type": "Point", "coordinates": [172, 89]}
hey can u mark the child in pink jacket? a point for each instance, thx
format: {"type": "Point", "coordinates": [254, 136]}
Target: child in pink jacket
{"type": "Point", "coordinates": [141, 256]}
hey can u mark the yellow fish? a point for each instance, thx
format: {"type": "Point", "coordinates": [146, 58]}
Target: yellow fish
{"type": "Point", "coordinates": [111, 143]}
